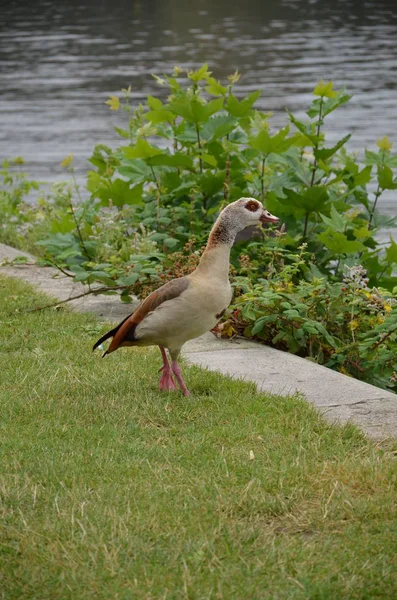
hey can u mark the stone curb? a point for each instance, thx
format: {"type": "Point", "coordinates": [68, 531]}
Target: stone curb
{"type": "Point", "coordinates": [340, 398]}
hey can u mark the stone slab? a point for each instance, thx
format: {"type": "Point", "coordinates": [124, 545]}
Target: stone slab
{"type": "Point", "coordinates": [339, 397]}
{"type": "Point", "coordinates": [58, 286]}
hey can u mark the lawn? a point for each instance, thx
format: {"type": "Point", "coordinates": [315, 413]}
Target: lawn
{"type": "Point", "coordinates": [110, 489]}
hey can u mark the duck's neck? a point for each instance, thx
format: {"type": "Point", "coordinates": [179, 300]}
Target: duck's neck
{"type": "Point", "coordinates": [215, 260]}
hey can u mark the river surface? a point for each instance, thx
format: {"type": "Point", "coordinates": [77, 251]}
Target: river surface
{"type": "Point", "coordinates": [60, 61]}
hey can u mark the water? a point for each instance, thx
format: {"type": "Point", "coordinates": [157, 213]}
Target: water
{"type": "Point", "coordinates": [59, 62]}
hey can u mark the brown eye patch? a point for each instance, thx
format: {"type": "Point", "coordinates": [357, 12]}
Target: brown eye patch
{"type": "Point", "coordinates": [252, 206]}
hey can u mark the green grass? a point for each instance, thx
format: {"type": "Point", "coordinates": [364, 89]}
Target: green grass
{"type": "Point", "coordinates": [110, 489]}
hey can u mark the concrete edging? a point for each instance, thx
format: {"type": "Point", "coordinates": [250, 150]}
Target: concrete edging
{"type": "Point", "coordinates": [338, 397]}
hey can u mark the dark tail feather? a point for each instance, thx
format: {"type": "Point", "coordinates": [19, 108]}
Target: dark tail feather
{"type": "Point", "coordinates": [108, 335]}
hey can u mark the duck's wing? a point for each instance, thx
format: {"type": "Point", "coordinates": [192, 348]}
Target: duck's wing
{"type": "Point", "coordinates": [123, 334]}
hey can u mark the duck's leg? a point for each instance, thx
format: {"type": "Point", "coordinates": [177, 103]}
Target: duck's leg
{"type": "Point", "coordinates": [166, 380]}
{"type": "Point", "coordinates": [176, 369]}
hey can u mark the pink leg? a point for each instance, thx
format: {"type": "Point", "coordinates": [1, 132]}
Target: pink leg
{"type": "Point", "coordinates": [166, 380]}
{"type": "Point", "coordinates": [176, 369]}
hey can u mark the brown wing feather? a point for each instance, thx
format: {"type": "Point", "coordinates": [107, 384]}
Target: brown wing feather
{"type": "Point", "coordinates": [123, 334]}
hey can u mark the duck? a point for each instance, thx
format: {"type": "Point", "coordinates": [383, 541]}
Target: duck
{"type": "Point", "coordinates": [189, 306]}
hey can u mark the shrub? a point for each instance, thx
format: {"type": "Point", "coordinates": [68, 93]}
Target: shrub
{"type": "Point", "coordinates": [181, 159]}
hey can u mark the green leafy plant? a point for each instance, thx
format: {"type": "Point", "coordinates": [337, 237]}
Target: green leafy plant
{"type": "Point", "coordinates": [186, 154]}
{"type": "Point", "coordinates": [344, 325]}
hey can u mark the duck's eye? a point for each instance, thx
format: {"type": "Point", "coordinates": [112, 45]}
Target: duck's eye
{"type": "Point", "coordinates": [252, 206]}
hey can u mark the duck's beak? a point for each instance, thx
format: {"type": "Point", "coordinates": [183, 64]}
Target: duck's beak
{"type": "Point", "coordinates": [266, 217]}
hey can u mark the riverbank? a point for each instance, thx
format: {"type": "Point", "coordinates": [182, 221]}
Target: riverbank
{"type": "Point", "coordinates": [340, 398]}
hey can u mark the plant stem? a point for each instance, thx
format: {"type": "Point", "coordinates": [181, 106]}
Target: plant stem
{"type": "Point", "coordinates": [378, 193]}
{"type": "Point", "coordinates": [87, 254]}
{"type": "Point", "coordinates": [262, 176]}
{"type": "Point", "coordinates": [100, 290]}
{"type": "Point", "coordinates": [320, 116]}
{"type": "Point", "coordinates": [158, 194]}
{"type": "Point", "coordinates": [227, 180]}
{"type": "Point", "coordinates": [199, 145]}
{"type": "Point", "coordinates": [384, 338]}
{"type": "Point", "coordinates": [306, 224]}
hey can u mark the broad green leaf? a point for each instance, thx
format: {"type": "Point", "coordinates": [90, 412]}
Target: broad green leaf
{"type": "Point", "coordinates": [211, 184]}
{"type": "Point", "coordinates": [391, 252]}
{"type": "Point", "coordinates": [170, 242]}
{"type": "Point", "coordinates": [336, 221]}
{"type": "Point", "coordinates": [338, 243]}
{"type": "Point", "coordinates": [215, 88]}
{"type": "Point", "coordinates": [239, 109]}
{"type": "Point", "coordinates": [154, 103]}
{"type": "Point", "coordinates": [364, 176]}
{"type": "Point", "coordinates": [312, 199]}
{"type": "Point", "coordinates": [159, 116]}
{"type": "Point", "coordinates": [131, 279]}
{"type": "Point", "coordinates": [325, 89]}
{"type": "Point", "coordinates": [326, 106]}
{"type": "Point", "coordinates": [333, 103]}
{"type": "Point", "coordinates": [142, 149]}
{"type": "Point", "coordinates": [193, 110]}
{"type": "Point", "coordinates": [122, 132]}
{"type": "Point", "coordinates": [177, 160]}
{"type": "Point", "coordinates": [136, 171]}
{"type": "Point", "coordinates": [306, 129]}
{"type": "Point", "coordinates": [113, 102]}
{"type": "Point", "coordinates": [362, 233]}
{"type": "Point", "coordinates": [120, 193]}
{"type": "Point", "coordinates": [266, 143]}
{"type": "Point", "coordinates": [201, 73]}
{"type": "Point", "coordinates": [259, 325]}
{"type": "Point", "coordinates": [385, 178]}
{"type": "Point", "coordinates": [326, 153]}
{"type": "Point", "coordinates": [210, 160]}
{"type": "Point", "coordinates": [217, 127]}
{"type": "Point", "coordinates": [94, 181]}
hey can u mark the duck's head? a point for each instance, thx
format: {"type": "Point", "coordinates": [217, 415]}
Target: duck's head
{"type": "Point", "coordinates": [246, 212]}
